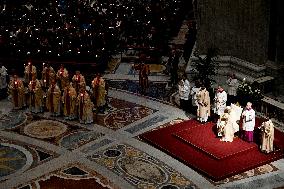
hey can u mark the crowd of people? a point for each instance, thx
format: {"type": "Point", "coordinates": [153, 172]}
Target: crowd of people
{"type": "Point", "coordinates": [56, 93]}
{"type": "Point", "coordinates": [84, 28]}
{"type": "Point", "coordinates": [225, 111]}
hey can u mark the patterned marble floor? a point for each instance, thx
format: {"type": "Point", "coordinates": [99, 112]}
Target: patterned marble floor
{"type": "Point", "coordinates": [37, 151]}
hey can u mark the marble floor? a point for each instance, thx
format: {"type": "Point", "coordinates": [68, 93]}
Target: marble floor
{"type": "Point", "coordinates": [38, 151]}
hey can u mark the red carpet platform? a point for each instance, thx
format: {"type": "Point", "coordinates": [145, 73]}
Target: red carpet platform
{"type": "Point", "coordinates": [204, 138]}
{"type": "Point", "coordinates": [196, 145]}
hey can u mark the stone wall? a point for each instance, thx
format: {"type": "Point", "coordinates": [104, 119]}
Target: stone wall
{"type": "Point", "coordinates": [238, 28]}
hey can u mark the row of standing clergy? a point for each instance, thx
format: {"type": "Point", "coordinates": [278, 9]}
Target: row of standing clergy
{"type": "Point", "coordinates": [220, 99]}
{"type": "Point", "coordinates": [72, 103]}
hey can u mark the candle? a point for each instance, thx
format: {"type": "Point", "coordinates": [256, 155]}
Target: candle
{"type": "Point", "coordinates": [82, 94]}
{"type": "Point", "coordinates": [16, 82]}
{"type": "Point", "coordinates": [30, 82]}
{"type": "Point", "coordinates": [44, 80]}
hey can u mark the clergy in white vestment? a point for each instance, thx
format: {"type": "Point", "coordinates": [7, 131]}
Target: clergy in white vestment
{"type": "Point", "coordinates": [193, 92]}
{"type": "Point", "coordinates": [220, 101]}
{"type": "Point", "coordinates": [248, 116]}
{"type": "Point", "coordinates": [184, 91]}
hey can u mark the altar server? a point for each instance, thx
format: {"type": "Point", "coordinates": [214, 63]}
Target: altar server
{"type": "Point", "coordinates": [248, 116]}
{"type": "Point", "coordinates": [184, 91]}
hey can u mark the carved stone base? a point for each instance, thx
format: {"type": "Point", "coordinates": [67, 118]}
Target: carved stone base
{"type": "Point", "coordinates": [229, 64]}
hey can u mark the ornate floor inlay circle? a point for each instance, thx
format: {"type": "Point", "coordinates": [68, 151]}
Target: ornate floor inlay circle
{"type": "Point", "coordinates": [112, 153]}
{"type": "Point", "coordinates": [45, 129]}
{"type": "Point", "coordinates": [120, 118]}
{"type": "Point", "coordinates": [143, 170]}
{"type": "Point", "coordinates": [77, 139]}
{"type": "Point", "coordinates": [11, 119]}
{"type": "Point", "coordinates": [13, 159]}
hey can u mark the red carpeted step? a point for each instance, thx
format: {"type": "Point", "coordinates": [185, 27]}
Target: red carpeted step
{"type": "Point", "coordinates": [203, 137]}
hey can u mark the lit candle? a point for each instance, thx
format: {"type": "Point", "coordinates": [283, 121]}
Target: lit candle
{"type": "Point", "coordinates": [44, 80]}
{"type": "Point", "coordinates": [82, 94]}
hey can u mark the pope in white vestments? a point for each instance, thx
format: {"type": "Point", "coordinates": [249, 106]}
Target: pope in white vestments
{"type": "Point", "coordinates": [227, 125]}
